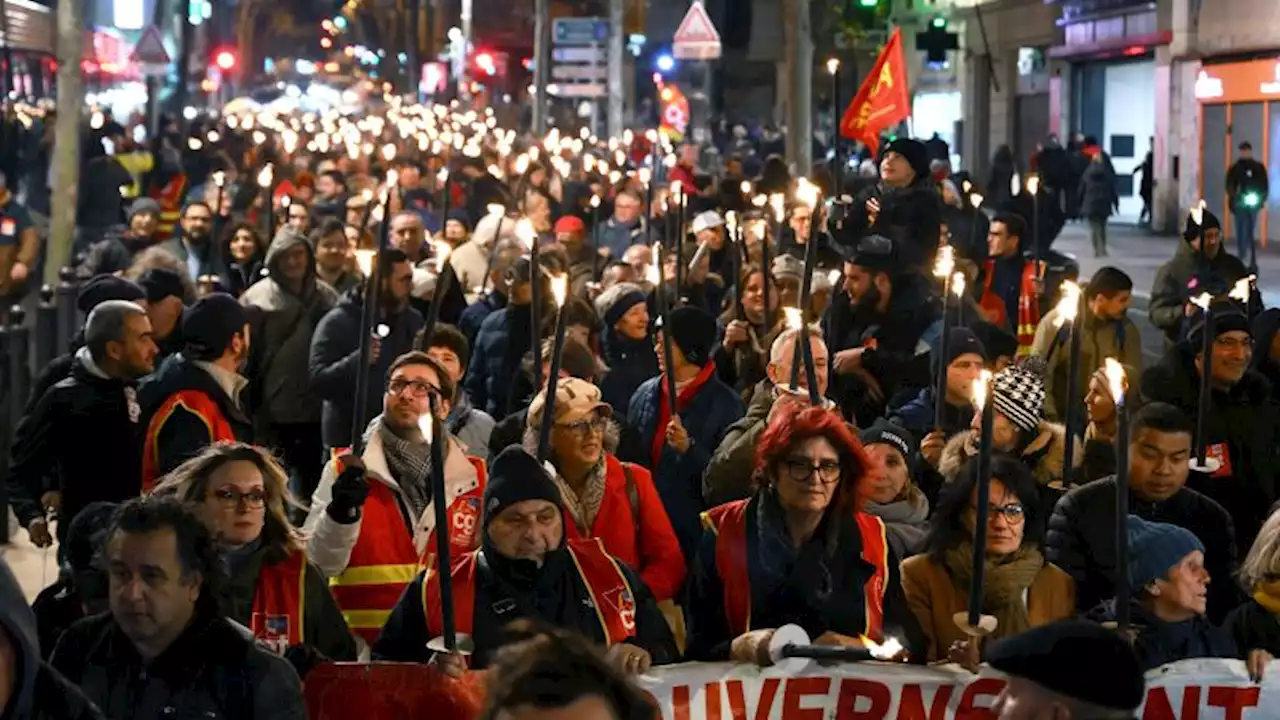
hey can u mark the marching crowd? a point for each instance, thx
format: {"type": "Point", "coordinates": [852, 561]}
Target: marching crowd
{"type": "Point", "coordinates": [766, 410]}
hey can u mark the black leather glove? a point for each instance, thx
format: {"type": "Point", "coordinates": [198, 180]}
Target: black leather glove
{"type": "Point", "coordinates": [304, 658]}
{"type": "Point", "coordinates": [349, 492]}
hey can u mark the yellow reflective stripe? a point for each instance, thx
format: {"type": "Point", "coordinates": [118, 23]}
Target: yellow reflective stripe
{"type": "Point", "coordinates": [366, 619]}
{"type": "Point", "coordinates": [375, 575]}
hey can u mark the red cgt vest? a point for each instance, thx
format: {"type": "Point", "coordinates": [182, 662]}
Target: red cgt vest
{"type": "Point", "coordinates": [170, 198]}
{"type": "Point", "coordinates": [384, 559]}
{"type": "Point", "coordinates": [1028, 304]}
{"type": "Point", "coordinates": [729, 523]}
{"type": "Point", "coordinates": [193, 401]}
{"type": "Point", "coordinates": [278, 601]}
{"type": "Point", "coordinates": [607, 587]}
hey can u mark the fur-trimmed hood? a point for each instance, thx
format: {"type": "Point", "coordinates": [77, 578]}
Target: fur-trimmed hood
{"type": "Point", "coordinates": [1044, 455]}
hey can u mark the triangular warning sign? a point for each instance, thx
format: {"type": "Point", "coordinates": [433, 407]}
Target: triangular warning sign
{"type": "Point", "coordinates": [150, 49]}
{"type": "Point", "coordinates": [696, 28]}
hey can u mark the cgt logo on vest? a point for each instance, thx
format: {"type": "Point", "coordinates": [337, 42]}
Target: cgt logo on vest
{"type": "Point", "coordinates": [465, 518]}
{"type": "Point", "coordinates": [275, 631]}
{"type": "Point", "coordinates": [623, 602]}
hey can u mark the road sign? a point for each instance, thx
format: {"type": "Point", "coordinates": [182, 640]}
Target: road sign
{"type": "Point", "coordinates": [150, 52]}
{"type": "Point", "coordinates": [584, 90]}
{"type": "Point", "coordinates": [587, 54]}
{"type": "Point", "coordinates": [696, 38]}
{"type": "Point", "coordinates": [580, 31]}
{"type": "Point", "coordinates": [579, 72]}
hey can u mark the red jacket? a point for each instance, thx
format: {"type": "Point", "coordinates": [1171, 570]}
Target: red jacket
{"type": "Point", "coordinates": [646, 544]}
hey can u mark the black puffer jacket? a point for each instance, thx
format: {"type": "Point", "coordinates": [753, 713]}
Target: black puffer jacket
{"type": "Point", "coordinates": [912, 216]}
{"type": "Point", "coordinates": [1081, 540]}
{"type": "Point", "coordinates": [1254, 628]}
{"type": "Point", "coordinates": [1243, 419]}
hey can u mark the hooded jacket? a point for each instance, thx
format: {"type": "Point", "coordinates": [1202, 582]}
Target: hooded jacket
{"type": "Point", "coordinates": [1099, 339]}
{"type": "Point", "coordinates": [282, 333]}
{"type": "Point", "coordinates": [630, 362]}
{"type": "Point", "coordinates": [38, 692]}
{"type": "Point", "coordinates": [1172, 287]}
{"type": "Point", "coordinates": [1243, 422]}
{"type": "Point", "coordinates": [1265, 326]}
{"type": "Point", "coordinates": [1043, 456]}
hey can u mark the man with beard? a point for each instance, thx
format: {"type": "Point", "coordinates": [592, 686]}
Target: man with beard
{"type": "Point", "coordinates": [116, 252]}
{"type": "Point", "coordinates": [194, 400]}
{"type": "Point", "coordinates": [526, 569]}
{"type": "Point", "coordinates": [903, 206]}
{"type": "Point", "coordinates": [874, 328]}
{"type": "Point", "coordinates": [195, 246]}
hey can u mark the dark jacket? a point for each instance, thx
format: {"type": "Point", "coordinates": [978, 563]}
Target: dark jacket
{"type": "Point", "coordinates": [1244, 419]}
{"type": "Point", "coordinates": [918, 415]}
{"type": "Point", "coordinates": [211, 258]}
{"type": "Point", "coordinates": [496, 356]}
{"type": "Point", "coordinates": [728, 475]}
{"type": "Point", "coordinates": [1265, 325]}
{"type": "Point", "coordinates": [1245, 176]}
{"type": "Point", "coordinates": [508, 431]}
{"type": "Point", "coordinates": [184, 434]}
{"type": "Point", "coordinates": [1081, 540]}
{"type": "Point", "coordinates": [707, 417]}
{"type": "Point", "coordinates": [1172, 287]}
{"type": "Point", "coordinates": [507, 590]}
{"type": "Point", "coordinates": [474, 316]}
{"type": "Point", "coordinates": [335, 360]}
{"type": "Point", "coordinates": [242, 275]}
{"type": "Point", "coordinates": [97, 416]}
{"type": "Point", "coordinates": [38, 692]}
{"type": "Point", "coordinates": [1159, 643]}
{"type": "Point", "coordinates": [1254, 627]}
{"type": "Point", "coordinates": [744, 366]}
{"type": "Point", "coordinates": [1098, 191]}
{"type": "Point", "coordinates": [819, 587]}
{"type": "Point", "coordinates": [114, 253]}
{"type": "Point", "coordinates": [911, 216]}
{"type": "Point", "coordinates": [213, 670]}
{"type": "Point", "coordinates": [630, 362]}
{"type": "Point", "coordinates": [323, 626]}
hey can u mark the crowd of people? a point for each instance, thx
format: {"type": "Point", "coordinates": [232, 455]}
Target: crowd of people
{"type": "Point", "coordinates": [767, 410]}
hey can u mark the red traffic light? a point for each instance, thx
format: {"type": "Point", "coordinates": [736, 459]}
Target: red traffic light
{"type": "Point", "coordinates": [225, 60]}
{"type": "Point", "coordinates": [485, 61]}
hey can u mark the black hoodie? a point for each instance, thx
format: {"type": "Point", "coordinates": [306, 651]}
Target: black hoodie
{"type": "Point", "coordinates": [1265, 326]}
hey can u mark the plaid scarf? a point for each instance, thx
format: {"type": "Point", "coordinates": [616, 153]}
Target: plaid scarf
{"type": "Point", "coordinates": [409, 461]}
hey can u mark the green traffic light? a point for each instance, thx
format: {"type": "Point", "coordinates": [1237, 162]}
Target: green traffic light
{"type": "Point", "coordinates": [868, 3]}
{"type": "Point", "coordinates": [939, 22]}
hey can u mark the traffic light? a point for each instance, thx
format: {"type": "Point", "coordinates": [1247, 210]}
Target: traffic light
{"type": "Point", "coordinates": [225, 60]}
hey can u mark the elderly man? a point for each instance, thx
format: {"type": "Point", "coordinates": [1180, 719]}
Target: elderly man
{"type": "Point", "coordinates": [525, 569]}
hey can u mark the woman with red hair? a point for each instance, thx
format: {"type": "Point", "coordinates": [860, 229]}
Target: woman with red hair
{"type": "Point", "coordinates": [798, 551]}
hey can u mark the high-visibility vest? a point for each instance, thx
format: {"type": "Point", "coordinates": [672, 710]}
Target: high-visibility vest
{"type": "Point", "coordinates": [278, 602]}
{"type": "Point", "coordinates": [194, 401]}
{"type": "Point", "coordinates": [385, 560]}
{"type": "Point", "coordinates": [170, 198]}
{"type": "Point", "coordinates": [729, 523]}
{"type": "Point", "coordinates": [1028, 310]}
{"type": "Point", "coordinates": [607, 587]}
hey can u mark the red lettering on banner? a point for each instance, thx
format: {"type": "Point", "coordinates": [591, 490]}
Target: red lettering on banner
{"type": "Point", "coordinates": [984, 687]}
{"type": "Point", "coordinates": [1234, 700]}
{"type": "Point", "coordinates": [711, 695]}
{"type": "Point", "coordinates": [911, 705]}
{"type": "Point", "coordinates": [853, 689]}
{"type": "Point", "coordinates": [1158, 706]}
{"type": "Point", "coordinates": [680, 702]}
{"type": "Point", "coordinates": [764, 703]}
{"type": "Point", "coordinates": [799, 688]}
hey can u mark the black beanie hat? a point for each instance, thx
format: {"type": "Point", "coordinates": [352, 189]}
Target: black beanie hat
{"type": "Point", "coordinates": [1192, 231]}
{"type": "Point", "coordinates": [107, 287]}
{"type": "Point", "coordinates": [693, 330]}
{"type": "Point", "coordinates": [1106, 669]}
{"type": "Point", "coordinates": [160, 283]}
{"type": "Point", "coordinates": [209, 324]}
{"type": "Point", "coordinates": [886, 433]}
{"type": "Point", "coordinates": [915, 153]}
{"type": "Point", "coordinates": [516, 476]}
{"type": "Point", "coordinates": [1227, 317]}
{"type": "Point", "coordinates": [960, 341]}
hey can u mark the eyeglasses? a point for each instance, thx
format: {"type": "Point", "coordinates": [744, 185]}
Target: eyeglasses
{"type": "Point", "coordinates": [799, 469]}
{"type": "Point", "coordinates": [253, 500]}
{"type": "Point", "coordinates": [586, 427]}
{"type": "Point", "coordinates": [1013, 513]}
{"type": "Point", "coordinates": [415, 388]}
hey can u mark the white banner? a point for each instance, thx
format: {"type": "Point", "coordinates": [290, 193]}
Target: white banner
{"type": "Point", "coordinates": [1188, 690]}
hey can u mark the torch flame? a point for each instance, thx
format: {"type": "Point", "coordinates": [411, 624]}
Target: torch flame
{"type": "Point", "coordinates": [653, 273]}
{"type": "Point", "coordinates": [980, 388]}
{"type": "Point", "coordinates": [219, 178]}
{"type": "Point", "coordinates": [795, 319]}
{"type": "Point", "coordinates": [442, 254]}
{"type": "Point", "coordinates": [285, 202]}
{"type": "Point", "coordinates": [745, 187]}
{"type": "Point", "coordinates": [975, 200]}
{"type": "Point", "coordinates": [383, 330]}
{"type": "Point", "coordinates": [1243, 289]}
{"type": "Point", "coordinates": [1202, 300]}
{"type": "Point", "coordinates": [945, 265]}
{"type": "Point", "coordinates": [364, 260]}
{"type": "Point", "coordinates": [496, 209]}
{"type": "Point", "coordinates": [1115, 379]}
{"type": "Point", "coordinates": [1197, 213]}
{"type": "Point", "coordinates": [266, 175]}
{"type": "Point", "coordinates": [367, 194]}
{"type": "Point", "coordinates": [966, 186]}
{"type": "Point", "coordinates": [778, 203]}
{"type": "Point", "coordinates": [833, 277]}
{"type": "Point", "coordinates": [443, 175]}
{"type": "Point", "coordinates": [393, 177]}
{"type": "Point", "coordinates": [759, 201]}
{"type": "Point", "coordinates": [560, 288]}
{"type": "Point", "coordinates": [1069, 305]}
{"type": "Point", "coordinates": [595, 201]}
{"type": "Point", "coordinates": [389, 152]}
{"type": "Point", "coordinates": [886, 650]}
{"type": "Point", "coordinates": [427, 425]}
{"type": "Point", "coordinates": [645, 175]}
{"type": "Point", "coordinates": [807, 193]}
{"type": "Point", "coordinates": [1033, 184]}
{"type": "Point", "coordinates": [1015, 185]}
{"type": "Point", "coordinates": [525, 232]}
{"type": "Point", "coordinates": [957, 284]}
{"type": "Point", "coordinates": [677, 188]}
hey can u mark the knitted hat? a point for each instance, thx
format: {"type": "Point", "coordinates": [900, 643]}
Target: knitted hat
{"type": "Point", "coordinates": [1155, 547]}
{"type": "Point", "coordinates": [1192, 231]}
{"type": "Point", "coordinates": [459, 215]}
{"type": "Point", "coordinates": [1018, 393]}
{"type": "Point", "coordinates": [570, 224]}
{"type": "Point", "coordinates": [516, 476]}
{"type": "Point", "coordinates": [1227, 317]}
{"type": "Point", "coordinates": [693, 330]}
{"type": "Point", "coordinates": [788, 267]}
{"type": "Point", "coordinates": [887, 433]}
{"type": "Point", "coordinates": [210, 323]}
{"type": "Point", "coordinates": [960, 341]}
{"type": "Point", "coordinates": [144, 205]}
{"type": "Point", "coordinates": [160, 283]}
{"type": "Point", "coordinates": [107, 287]}
{"type": "Point", "coordinates": [1106, 671]}
{"type": "Point", "coordinates": [616, 301]}
{"type": "Point", "coordinates": [913, 151]}
{"type": "Point", "coordinates": [574, 399]}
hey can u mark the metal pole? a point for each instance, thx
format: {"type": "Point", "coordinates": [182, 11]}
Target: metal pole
{"type": "Point", "coordinates": [66, 145]}
{"type": "Point", "coordinates": [160, 20]}
{"type": "Point", "coordinates": [188, 36]}
{"type": "Point", "coordinates": [67, 294]}
{"type": "Point", "coordinates": [799, 54]}
{"type": "Point", "coordinates": [46, 337]}
{"type": "Point", "coordinates": [19, 369]}
{"type": "Point", "coordinates": [411, 47]}
{"type": "Point", "coordinates": [617, 97]}
{"type": "Point", "coordinates": [542, 61]}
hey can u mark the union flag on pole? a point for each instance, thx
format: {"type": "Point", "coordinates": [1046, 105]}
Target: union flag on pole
{"type": "Point", "coordinates": [882, 101]}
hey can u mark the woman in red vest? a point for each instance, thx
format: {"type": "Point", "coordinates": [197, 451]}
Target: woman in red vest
{"type": "Point", "coordinates": [241, 493]}
{"type": "Point", "coordinates": [799, 551]}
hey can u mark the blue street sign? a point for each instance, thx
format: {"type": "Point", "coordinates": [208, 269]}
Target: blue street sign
{"type": "Point", "coordinates": [580, 31]}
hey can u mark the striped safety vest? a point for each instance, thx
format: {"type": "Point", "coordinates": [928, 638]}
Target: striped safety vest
{"type": "Point", "coordinates": [607, 587]}
{"type": "Point", "coordinates": [279, 600]}
{"type": "Point", "coordinates": [1028, 317]}
{"type": "Point", "coordinates": [194, 401]}
{"type": "Point", "coordinates": [170, 198]}
{"type": "Point", "coordinates": [729, 523]}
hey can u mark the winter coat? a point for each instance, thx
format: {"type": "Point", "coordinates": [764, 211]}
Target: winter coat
{"type": "Point", "coordinates": [242, 275]}
{"type": "Point", "coordinates": [1244, 420]}
{"type": "Point", "coordinates": [1098, 192]}
{"type": "Point", "coordinates": [485, 190]}
{"type": "Point", "coordinates": [1043, 456]}
{"type": "Point", "coordinates": [936, 599]}
{"type": "Point", "coordinates": [496, 357]}
{"type": "Point", "coordinates": [335, 360]}
{"type": "Point", "coordinates": [185, 433]}
{"type": "Point", "coordinates": [918, 415]}
{"type": "Point", "coordinates": [630, 362]}
{"type": "Point", "coordinates": [476, 313]}
{"type": "Point", "coordinates": [38, 692]}
{"type": "Point", "coordinates": [743, 367]}
{"type": "Point", "coordinates": [472, 427]}
{"type": "Point", "coordinates": [1254, 627]}
{"type": "Point", "coordinates": [113, 254]}
{"type": "Point", "coordinates": [1081, 540]}
{"type": "Point", "coordinates": [100, 417]}
{"type": "Point", "coordinates": [706, 417]}
{"type": "Point", "coordinates": [616, 237]}
{"type": "Point", "coordinates": [1245, 176]}
{"type": "Point", "coordinates": [728, 475]}
{"type": "Point", "coordinates": [1265, 326]}
{"type": "Point", "coordinates": [1173, 286]}
{"type": "Point", "coordinates": [281, 336]}
{"type": "Point", "coordinates": [911, 216]}
{"type": "Point", "coordinates": [210, 262]}
{"type": "Point", "coordinates": [1157, 642]}
{"type": "Point", "coordinates": [1098, 340]}
{"type": "Point", "coordinates": [212, 670]}
{"type": "Point", "coordinates": [783, 590]}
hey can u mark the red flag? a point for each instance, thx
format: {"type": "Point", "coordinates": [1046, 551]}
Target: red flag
{"type": "Point", "coordinates": [882, 101]}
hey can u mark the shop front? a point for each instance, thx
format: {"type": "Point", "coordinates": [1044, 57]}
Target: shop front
{"type": "Point", "coordinates": [26, 50]}
{"type": "Point", "coordinates": [1239, 102]}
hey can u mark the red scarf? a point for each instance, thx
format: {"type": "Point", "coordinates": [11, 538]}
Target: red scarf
{"type": "Point", "coordinates": [683, 399]}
